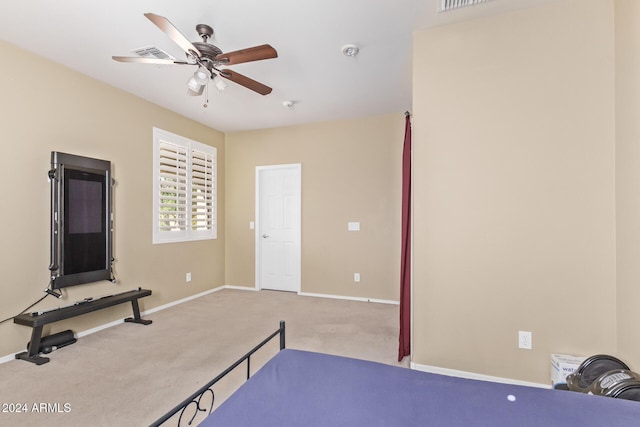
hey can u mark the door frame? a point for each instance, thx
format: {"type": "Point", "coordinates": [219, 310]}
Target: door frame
{"type": "Point", "coordinates": [297, 167]}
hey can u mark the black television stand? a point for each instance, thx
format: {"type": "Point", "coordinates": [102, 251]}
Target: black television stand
{"type": "Point", "coordinates": [37, 320]}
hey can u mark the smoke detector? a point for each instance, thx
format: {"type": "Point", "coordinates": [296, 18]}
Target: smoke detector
{"type": "Point", "coordinates": [350, 50]}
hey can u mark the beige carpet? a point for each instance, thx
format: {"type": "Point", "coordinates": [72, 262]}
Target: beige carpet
{"type": "Point", "coordinates": [129, 375]}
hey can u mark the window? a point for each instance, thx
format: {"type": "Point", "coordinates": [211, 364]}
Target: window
{"type": "Point", "coordinates": [184, 189]}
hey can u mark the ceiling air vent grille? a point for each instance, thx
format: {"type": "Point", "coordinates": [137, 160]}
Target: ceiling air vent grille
{"type": "Point", "coordinates": [152, 52]}
{"type": "Point", "coordinates": [446, 5]}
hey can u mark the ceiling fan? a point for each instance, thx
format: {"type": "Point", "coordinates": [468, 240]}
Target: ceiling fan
{"type": "Point", "coordinates": [208, 58]}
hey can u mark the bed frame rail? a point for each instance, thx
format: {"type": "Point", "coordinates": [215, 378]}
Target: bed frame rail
{"type": "Point", "coordinates": [196, 397]}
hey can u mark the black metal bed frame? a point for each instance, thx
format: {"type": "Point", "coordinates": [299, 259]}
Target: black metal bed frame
{"type": "Point", "coordinates": [196, 397]}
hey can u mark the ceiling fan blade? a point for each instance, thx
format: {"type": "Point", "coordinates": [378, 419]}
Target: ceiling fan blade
{"type": "Point", "coordinates": [245, 81]}
{"type": "Point", "coordinates": [173, 33]}
{"type": "Point", "coordinates": [256, 53]}
{"type": "Point", "coordinates": [143, 60]}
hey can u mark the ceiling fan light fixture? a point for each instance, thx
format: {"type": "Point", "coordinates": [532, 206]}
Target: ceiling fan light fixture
{"type": "Point", "coordinates": [193, 87]}
{"type": "Point", "coordinates": [201, 76]}
{"type": "Point", "coordinates": [220, 84]}
{"type": "Point", "coordinates": [193, 84]}
{"type": "Point", "coordinates": [197, 92]}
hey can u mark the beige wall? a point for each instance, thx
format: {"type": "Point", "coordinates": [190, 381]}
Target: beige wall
{"type": "Point", "coordinates": [526, 186]}
{"type": "Point", "coordinates": [351, 171]}
{"type": "Point", "coordinates": [47, 107]}
{"type": "Point", "coordinates": [514, 189]}
{"type": "Point", "coordinates": [627, 19]}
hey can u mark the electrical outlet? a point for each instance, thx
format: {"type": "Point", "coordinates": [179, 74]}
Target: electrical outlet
{"type": "Point", "coordinates": [188, 278]}
{"type": "Point", "coordinates": [524, 340]}
{"type": "Point", "coordinates": [356, 277]}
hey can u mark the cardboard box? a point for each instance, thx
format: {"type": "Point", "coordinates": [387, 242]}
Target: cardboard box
{"type": "Point", "coordinates": [563, 365]}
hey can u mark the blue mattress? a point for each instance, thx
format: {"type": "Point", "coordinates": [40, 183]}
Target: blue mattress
{"type": "Point", "coordinates": [299, 388]}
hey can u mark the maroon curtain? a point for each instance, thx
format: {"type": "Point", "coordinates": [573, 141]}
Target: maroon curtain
{"type": "Point", "coordinates": [404, 348]}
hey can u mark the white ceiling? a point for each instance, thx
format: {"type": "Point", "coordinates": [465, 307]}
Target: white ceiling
{"type": "Point", "coordinates": [308, 34]}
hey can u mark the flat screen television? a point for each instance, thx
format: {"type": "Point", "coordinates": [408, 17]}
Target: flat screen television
{"type": "Point", "coordinates": [81, 220]}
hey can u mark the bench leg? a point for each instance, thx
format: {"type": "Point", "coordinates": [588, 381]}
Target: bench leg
{"type": "Point", "coordinates": [34, 346]}
{"type": "Point", "coordinates": [136, 314]}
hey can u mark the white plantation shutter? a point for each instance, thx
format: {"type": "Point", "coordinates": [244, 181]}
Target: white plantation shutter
{"type": "Point", "coordinates": [202, 202]}
{"type": "Point", "coordinates": [447, 5]}
{"type": "Point", "coordinates": [172, 187]}
{"type": "Point", "coordinates": [184, 198]}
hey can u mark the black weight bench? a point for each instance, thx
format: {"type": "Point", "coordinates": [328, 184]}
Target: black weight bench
{"type": "Point", "coordinates": [37, 320]}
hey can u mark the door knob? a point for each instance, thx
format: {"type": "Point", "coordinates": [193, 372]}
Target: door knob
{"type": "Point", "coordinates": [264, 236]}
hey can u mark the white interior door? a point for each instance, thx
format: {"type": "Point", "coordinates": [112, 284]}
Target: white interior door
{"type": "Point", "coordinates": [278, 231]}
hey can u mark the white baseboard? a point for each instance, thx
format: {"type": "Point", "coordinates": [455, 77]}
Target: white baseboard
{"type": "Point", "coordinates": [474, 376]}
{"type": "Point", "coordinates": [150, 311]}
{"type": "Point", "coordinates": [360, 299]}
{"type": "Point", "coordinates": [310, 294]}
{"type": "Point", "coordinates": [242, 288]}
{"type": "Point", "coordinates": [8, 357]}
{"type": "Point", "coordinates": [183, 300]}
{"type": "Point", "coordinates": [99, 328]}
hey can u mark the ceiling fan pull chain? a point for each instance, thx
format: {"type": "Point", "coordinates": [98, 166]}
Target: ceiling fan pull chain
{"type": "Point", "coordinates": [206, 100]}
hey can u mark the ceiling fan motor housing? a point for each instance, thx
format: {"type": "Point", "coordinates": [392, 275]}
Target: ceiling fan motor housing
{"type": "Point", "coordinates": [207, 50]}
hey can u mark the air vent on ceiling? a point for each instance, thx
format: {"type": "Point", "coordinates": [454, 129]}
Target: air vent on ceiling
{"type": "Point", "coordinates": [152, 51]}
{"type": "Point", "coordinates": [446, 5]}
